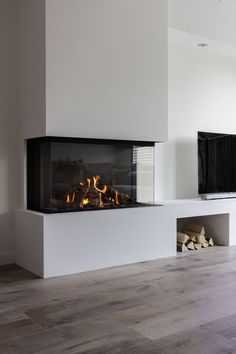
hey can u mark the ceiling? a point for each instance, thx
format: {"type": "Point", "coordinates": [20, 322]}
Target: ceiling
{"type": "Point", "coordinates": [214, 19]}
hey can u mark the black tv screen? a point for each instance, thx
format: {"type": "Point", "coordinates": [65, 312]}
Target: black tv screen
{"type": "Point", "coordinates": [216, 163]}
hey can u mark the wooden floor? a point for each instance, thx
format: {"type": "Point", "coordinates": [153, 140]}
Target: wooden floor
{"type": "Point", "coordinates": [185, 304]}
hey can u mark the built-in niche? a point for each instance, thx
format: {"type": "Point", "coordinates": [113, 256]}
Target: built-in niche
{"type": "Point", "coordinates": [216, 227]}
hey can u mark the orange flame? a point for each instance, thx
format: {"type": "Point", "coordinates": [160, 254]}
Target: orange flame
{"type": "Point", "coordinates": [95, 181]}
{"type": "Point", "coordinates": [85, 201]}
{"type": "Point", "coordinates": [112, 195]}
{"type": "Point", "coordinates": [70, 199]}
{"type": "Point", "coordinates": [117, 198]}
{"type": "Point", "coordinates": [89, 182]}
{"type": "Point", "coordinates": [100, 201]}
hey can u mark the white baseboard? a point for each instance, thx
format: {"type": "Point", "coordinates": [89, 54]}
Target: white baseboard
{"type": "Point", "coordinates": [7, 258]}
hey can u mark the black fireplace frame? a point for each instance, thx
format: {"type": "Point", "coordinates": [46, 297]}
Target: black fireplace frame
{"type": "Point", "coordinates": [33, 179]}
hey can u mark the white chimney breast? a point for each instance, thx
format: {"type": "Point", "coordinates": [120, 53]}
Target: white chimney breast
{"type": "Point", "coordinates": [106, 69]}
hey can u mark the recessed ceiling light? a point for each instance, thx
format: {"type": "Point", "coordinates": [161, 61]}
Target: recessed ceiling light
{"type": "Point", "coordinates": [202, 45]}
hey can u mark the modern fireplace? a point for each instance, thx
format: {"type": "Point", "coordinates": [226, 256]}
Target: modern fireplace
{"type": "Point", "coordinates": [77, 174]}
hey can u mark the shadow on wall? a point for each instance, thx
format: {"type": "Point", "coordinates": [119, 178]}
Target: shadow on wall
{"type": "Point", "coordinates": [8, 181]}
{"type": "Point", "coordinates": [186, 169]}
{"type": "Point", "coordinates": [6, 233]}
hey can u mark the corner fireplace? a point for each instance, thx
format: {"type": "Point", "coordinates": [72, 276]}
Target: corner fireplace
{"type": "Point", "coordinates": [77, 174]}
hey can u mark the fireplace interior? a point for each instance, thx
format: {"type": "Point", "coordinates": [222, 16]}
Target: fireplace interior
{"type": "Point", "coordinates": [76, 174]}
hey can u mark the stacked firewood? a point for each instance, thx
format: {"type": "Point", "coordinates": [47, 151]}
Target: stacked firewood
{"type": "Point", "coordinates": [192, 237]}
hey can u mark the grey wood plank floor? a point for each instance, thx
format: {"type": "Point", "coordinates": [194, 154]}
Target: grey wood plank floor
{"type": "Point", "coordinates": [180, 305]}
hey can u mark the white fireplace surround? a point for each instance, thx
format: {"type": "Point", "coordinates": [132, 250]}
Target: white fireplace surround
{"type": "Point", "coordinates": [100, 80]}
{"type": "Point", "coordinates": [60, 244]}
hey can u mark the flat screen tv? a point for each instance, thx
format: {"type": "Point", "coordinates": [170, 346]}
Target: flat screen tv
{"type": "Point", "coordinates": [216, 163]}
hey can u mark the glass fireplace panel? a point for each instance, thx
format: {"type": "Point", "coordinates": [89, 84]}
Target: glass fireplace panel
{"type": "Point", "coordinates": [70, 174]}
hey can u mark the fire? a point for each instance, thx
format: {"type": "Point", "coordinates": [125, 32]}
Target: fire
{"type": "Point", "coordinates": [89, 182]}
{"type": "Point", "coordinates": [70, 199]}
{"type": "Point", "coordinates": [85, 201]}
{"type": "Point", "coordinates": [93, 193]}
{"type": "Point", "coordinates": [95, 182]}
{"type": "Point", "coordinates": [117, 198]}
{"type": "Point", "coordinates": [100, 201]}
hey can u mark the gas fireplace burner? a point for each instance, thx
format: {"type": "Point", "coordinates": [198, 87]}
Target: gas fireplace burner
{"type": "Point", "coordinates": [77, 174]}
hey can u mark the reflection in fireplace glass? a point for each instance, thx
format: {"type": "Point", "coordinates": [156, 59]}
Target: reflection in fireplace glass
{"type": "Point", "coordinates": [70, 174]}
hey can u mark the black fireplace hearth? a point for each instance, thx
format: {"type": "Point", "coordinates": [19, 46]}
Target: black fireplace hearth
{"type": "Point", "coordinates": [76, 174]}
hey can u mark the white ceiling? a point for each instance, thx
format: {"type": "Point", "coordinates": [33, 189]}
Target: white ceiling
{"type": "Point", "coordinates": [214, 19]}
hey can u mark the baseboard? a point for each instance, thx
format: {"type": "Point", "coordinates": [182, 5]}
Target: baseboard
{"type": "Point", "coordinates": [7, 258]}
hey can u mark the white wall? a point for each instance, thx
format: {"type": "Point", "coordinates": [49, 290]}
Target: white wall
{"type": "Point", "coordinates": [210, 18]}
{"type": "Point", "coordinates": [8, 128]}
{"type": "Point", "coordinates": [31, 65]}
{"type": "Point", "coordinates": [106, 68]}
{"type": "Point", "coordinates": [202, 87]}
{"type": "Point", "coordinates": [32, 86]}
